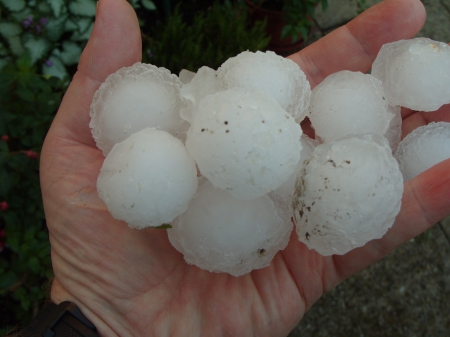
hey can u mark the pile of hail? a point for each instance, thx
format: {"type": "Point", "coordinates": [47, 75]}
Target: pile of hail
{"type": "Point", "coordinates": [220, 155]}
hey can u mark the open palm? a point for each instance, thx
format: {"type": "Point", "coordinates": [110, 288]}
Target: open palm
{"type": "Point", "coordinates": [134, 283]}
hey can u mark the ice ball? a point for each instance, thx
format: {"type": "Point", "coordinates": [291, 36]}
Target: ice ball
{"type": "Point", "coordinates": [349, 193]}
{"type": "Point", "coordinates": [423, 148]}
{"type": "Point", "coordinates": [221, 234]}
{"type": "Point", "coordinates": [148, 179]}
{"type": "Point", "coordinates": [415, 73]}
{"type": "Point", "coordinates": [348, 103]}
{"type": "Point", "coordinates": [244, 142]}
{"type": "Point", "coordinates": [132, 99]}
{"type": "Point", "coordinates": [274, 75]}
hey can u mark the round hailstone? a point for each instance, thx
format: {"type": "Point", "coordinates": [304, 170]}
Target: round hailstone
{"type": "Point", "coordinates": [244, 142]}
{"type": "Point", "coordinates": [221, 234]}
{"type": "Point", "coordinates": [148, 179]}
{"type": "Point", "coordinates": [415, 73]}
{"type": "Point", "coordinates": [394, 131]}
{"type": "Point", "coordinates": [348, 103]}
{"type": "Point", "coordinates": [274, 75]}
{"type": "Point", "coordinates": [349, 193]}
{"type": "Point", "coordinates": [132, 99]}
{"type": "Point", "coordinates": [204, 83]}
{"type": "Point", "coordinates": [423, 148]}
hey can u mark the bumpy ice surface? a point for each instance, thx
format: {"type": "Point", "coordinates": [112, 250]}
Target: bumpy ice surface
{"type": "Point", "coordinates": [423, 148]}
{"type": "Point", "coordinates": [148, 179]}
{"type": "Point", "coordinates": [349, 103]}
{"type": "Point", "coordinates": [276, 76]}
{"type": "Point", "coordinates": [415, 73]}
{"type": "Point", "coordinates": [132, 99]}
{"type": "Point", "coordinates": [221, 234]}
{"type": "Point", "coordinates": [244, 142]}
{"type": "Point", "coordinates": [349, 194]}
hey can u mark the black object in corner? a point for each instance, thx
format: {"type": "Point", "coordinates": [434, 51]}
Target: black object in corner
{"type": "Point", "coordinates": [62, 320]}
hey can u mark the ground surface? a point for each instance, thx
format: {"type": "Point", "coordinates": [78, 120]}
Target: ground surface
{"type": "Point", "coordinates": [408, 292]}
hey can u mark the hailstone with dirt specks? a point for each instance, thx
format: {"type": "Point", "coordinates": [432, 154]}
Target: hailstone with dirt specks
{"type": "Point", "coordinates": [243, 142]}
{"type": "Point", "coordinates": [423, 148]}
{"type": "Point", "coordinates": [132, 99]}
{"type": "Point", "coordinates": [415, 73]}
{"type": "Point", "coordinates": [349, 193]}
{"type": "Point", "coordinates": [222, 234]}
{"type": "Point", "coordinates": [148, 179]}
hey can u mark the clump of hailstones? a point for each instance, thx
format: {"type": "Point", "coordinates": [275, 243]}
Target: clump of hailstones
{"type": "Point", "coordinates": [148, 179]}
{"type": "Point", "coordinates": [244, 142]}
{"type": "Point", "coordinates": [349, 193]}
{"type": "Point", "coordinates": [415, 73]}
{"type": "Point", "coordinates": [222, 234]}
{"type": "Point", "coordinates": [423, 148]}
{"type": "Point", "coordinates": [346, 103]}
{"type": "Point", "coordinates": [276, 76]}
{"type": "Point", "coordinates": [134, 98]}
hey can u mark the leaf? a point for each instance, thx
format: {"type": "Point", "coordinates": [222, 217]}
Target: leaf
{"type": "Point", "coordinates": [148, 5]}
{"type": "Point", "coordinates": [14, 5]}
{"type": "Point", "coordinates": [57, 68]}
{"type": "Point", "coordinates": [83, 36]}
{"type": "Point", "coordinates": [55, 27]}
{"type": "Point", "coordinates": [7, 280]}
{"type": "Point", "coordinates": [37, 47]}
{"type": "Point", "coordinates": [164, 226]}
{"type": "Point", "coordinates": [3, 63]}
{"type": "Point", "coordinates": [57, 7]}
{"type": "Point", "coordinates": [83, 7]}
{"type": "Point", "coordinates": [34, 264]}
{"type": "Point", "coordinates": [71, 53]}
{"type": "Point", "coordinates": [9, 29]}
{"type": "Point", "coordinates": [15, 44]}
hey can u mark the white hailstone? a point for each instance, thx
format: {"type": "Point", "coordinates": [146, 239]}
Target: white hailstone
{"type": "Point", "coordinates": [244, 142]}
{"type": "Point", "coordinates": [221, 234]}
{"type": "Point", "coordinates": [349, 193]}
{"type": "Point", "coordinates": [204, 83]}
{"type": "Point", "coordinates": [394, 131]}
{"type": "Point", "coordinates": [348, 103]}
{"type": "Point", "coordinates": [415, 73]}
{"type": "Point", "coordinates": [186, 76]}
{"type": "Point", "coordinates": [423, 148]}
{"type": "Point", "coordinates": [132, 99]}
{"type": "Point", "coordinates": [148, 179]}
{"type": "Point", "coordinates": [287, 188]}
{"type": "Point", "coordinates": [274, 75]}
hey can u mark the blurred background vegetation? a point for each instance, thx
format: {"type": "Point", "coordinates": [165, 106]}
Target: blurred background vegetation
{"type": "Point", "coordinates": [40, 45]}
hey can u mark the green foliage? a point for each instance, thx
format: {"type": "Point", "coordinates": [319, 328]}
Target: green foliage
{"type": "Point", "coordinates": [28, 102]}
{"type": "Point", "coordinates": [220, 32]}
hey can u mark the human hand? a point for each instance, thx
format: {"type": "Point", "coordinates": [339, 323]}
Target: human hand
{"type": "Point", "coordinates": [134, 283]}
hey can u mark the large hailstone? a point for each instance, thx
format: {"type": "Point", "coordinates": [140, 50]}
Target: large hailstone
{"type": "Point", "coordinates": [348, 194]}
{"type": "Point", "coordinates": [423, 148]}
{"type": "Point", "coordinates": [243, 142]}
{"type": "Point", "coordinates": [415, 73]}
{"type": "Point", "coordinates": [276, 76]}
{"type": "Point", "coordinates": [148, 179]}
{"type": "Point", "coordinates": [221, 234]}
{"type": "Point", "coordinates": [348, 103]}
{"type": "Point", "coordinates": [132, 99]}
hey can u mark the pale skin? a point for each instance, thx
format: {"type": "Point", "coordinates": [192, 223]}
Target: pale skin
{"type": "Point", "coordinates": [134, 283]}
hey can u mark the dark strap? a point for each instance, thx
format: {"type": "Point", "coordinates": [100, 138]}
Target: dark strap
{"type": "Point", "coordinates": [62, 320]}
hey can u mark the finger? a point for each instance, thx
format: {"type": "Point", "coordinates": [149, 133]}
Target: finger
{"type": "Point", "coordinates": [115, 42]}
{"type": "Point", "coordinates": [425, 202]}
{"type": "Point", "coordinates": [413, 121]}
{"type": "Point", "coordinates": [355, 45]}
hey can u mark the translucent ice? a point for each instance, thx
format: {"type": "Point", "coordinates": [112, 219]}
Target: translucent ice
{"type": "Point", "coordinates": [148, 179]}
{"type": "Point", "coordinates": [244, 142]}
{"type": "Point", "coordinates": [132, 99]}
{"type": "Point", "coordinates": [204, 83]}
{"type": "Point", "coordinates": [221, 234]}
{"type": "Point", "coordinates": [348, 103]}
{"type": "Point", "coordinates": [276, 76]}
{"type": "Point", "coordinates": [415, 73]}
{"type": "Point", "coordinates": [186, 76]}
{"type": "Point", "coordinates": [394, 131]}
{"type": "Point", "coordinates": [423, 148]}
{"type": "Point", "coordinates": [348, 194]}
